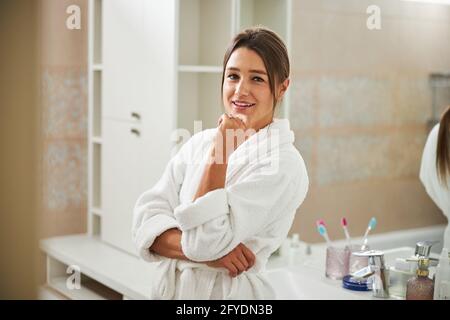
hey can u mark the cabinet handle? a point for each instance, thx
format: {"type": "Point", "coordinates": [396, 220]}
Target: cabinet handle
{"type": "Point", "coordinates": [136, 115]}
{"type": "Point", "coordinates": [136, 132]}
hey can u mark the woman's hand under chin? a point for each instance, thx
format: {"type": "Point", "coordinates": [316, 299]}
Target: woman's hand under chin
{"type": "Point", "coordinates": [232, 132]}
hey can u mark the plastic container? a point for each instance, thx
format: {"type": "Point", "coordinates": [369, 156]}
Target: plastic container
{"type": "Point", "coordinates": [336, 264]}
{"type": "Point", "coordinates": [357, 263]}
{"type": "Point", "coordinates": [350, 283]}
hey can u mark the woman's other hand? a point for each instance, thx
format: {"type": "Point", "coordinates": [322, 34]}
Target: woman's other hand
{"type": "Point", "coordinates": [168, 244]}
{"type": "Point", "coordinates": [237, 261]}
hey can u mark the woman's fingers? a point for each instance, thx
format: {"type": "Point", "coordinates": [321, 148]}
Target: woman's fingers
{"type": "Point", "coordinates": [221, 119]}
{"type": "Point", "coordinates": [231, 268]}
{"type": "Point", "coordinates": [249, 255]}
{"type": "Point", "coordinates": [240, 255]}
{"type": "Point", "coordinates": [238, 264]}
{"type": "Point", "coordinates": [231, 121]}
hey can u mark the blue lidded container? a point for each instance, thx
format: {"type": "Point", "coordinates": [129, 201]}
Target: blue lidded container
{"type": "Point", "coordinates": [351, 283]}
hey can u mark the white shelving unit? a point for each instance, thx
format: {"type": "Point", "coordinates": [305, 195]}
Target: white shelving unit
{"type": "Point", "coordinates": [94, 116]}
{"type": "Point", "coordinates": [205, 30]}
{"type": "Point", "coordinates": [106, 273]}
{"type": "Point", "coordinates": [154, 66]}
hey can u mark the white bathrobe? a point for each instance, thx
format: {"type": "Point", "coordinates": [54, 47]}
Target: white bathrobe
{"type": "Point", "coordinates": [266, 181]}
{"type": "Point", "coordinates": [429, 178]}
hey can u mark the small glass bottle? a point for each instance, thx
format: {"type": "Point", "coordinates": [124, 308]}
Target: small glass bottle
{"type": "Point", "coordinates": [420, 287]}
{"type": "Point", "coordinates": [399, 274]}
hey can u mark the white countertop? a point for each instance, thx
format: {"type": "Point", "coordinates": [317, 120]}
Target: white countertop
{"type": "Point", "coordinates": [303, 278]}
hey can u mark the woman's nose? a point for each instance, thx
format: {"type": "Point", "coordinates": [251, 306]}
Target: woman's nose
{"type": "Point", "coordinates": [242, 88]}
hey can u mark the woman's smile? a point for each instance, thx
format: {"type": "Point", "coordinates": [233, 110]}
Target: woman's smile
{"type": "Point", "coordinates": [242, 106]}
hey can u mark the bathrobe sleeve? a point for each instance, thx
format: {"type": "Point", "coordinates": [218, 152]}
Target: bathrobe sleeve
{"type": "Point", "coordinates": [214, 224]}
{"type": "Point", "coordinates": [153, 211]}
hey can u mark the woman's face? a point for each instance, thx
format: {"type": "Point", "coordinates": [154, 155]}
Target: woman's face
{"type": "Point", "coordinates": [246, 89]}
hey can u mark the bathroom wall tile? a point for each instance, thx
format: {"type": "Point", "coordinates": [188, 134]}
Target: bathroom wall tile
{"type": "Point", "coordinates": [306, 145]}
{"type": "Point", "coordinates": [64, 102]}
{"type": "Point", "coordinates": [347, 158]}
{"type": "Point", "coordinates": [65, 172]}
{"type": "Point", "coordinates": [342, 43]}
{"type": "Point", "coordinates": [354, 101]}
{"type": "Point", "coordinates": [61, 46]}
{"type": "Point", "coordinates": [411, 101]}
{"type": "Point", "coordinates": [442, 100]}
{"type": "Point", "coordinates": [397, 204]}
{"type": "Point", "coordinates": [64, 119]}
{"type": "Point", "coordinates": [54, 223]}
{"type": "Point", "coordinates": [363, 137]}
{"type": "Point", "coordinates": [303, 103]}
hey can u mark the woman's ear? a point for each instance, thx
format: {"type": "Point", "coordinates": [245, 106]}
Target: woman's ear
{"type": "Point", "coordinates": [282, 88]}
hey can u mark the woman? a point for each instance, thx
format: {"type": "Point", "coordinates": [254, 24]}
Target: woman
{"type": "Point", "coordinates": [227, 200]}
{"type": "Point", "coordinates": [435, 168]}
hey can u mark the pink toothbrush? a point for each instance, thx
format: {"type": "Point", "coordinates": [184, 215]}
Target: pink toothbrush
{"type": "Point", "coordinates": [347, 235]}
{"type": "Point", "coordinates": [323, 231]}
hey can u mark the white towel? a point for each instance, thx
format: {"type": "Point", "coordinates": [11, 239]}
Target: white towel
{"type": "Point", "coordinates": [429, 178]}
{"type": "Point", "coordinates": [266, 182]}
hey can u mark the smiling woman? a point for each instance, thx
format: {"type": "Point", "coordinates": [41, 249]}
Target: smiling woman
{"type": "Point", "coordinates": [255, 76]}
{"type": "Point", "coordinates": [212, 221]}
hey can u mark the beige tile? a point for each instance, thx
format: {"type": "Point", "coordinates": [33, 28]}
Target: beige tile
{"type": "Point", "coordinates": [306, 146]}
{"type": "Point", "coordinates": [342, 44]}
{"type": "Point", "coordinates": [411, 101]}
{"type": "Point", "coordinates": [303, 103]}
{"type": "Point", "coordinates": [358, 157]}
{"type": "Point", "coordinates": [354, 101]}
{"type": "Point", "coordinates": [64, 103]}
{"type": "Point", "coordinates": [65, 175]}
{"type": "Point", "coordinates": [61, 46]}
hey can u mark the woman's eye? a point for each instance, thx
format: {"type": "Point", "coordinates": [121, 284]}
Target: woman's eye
{"type": "Point", "coordinates": [232, 77]}
{"type": "Point", "coordinates": [258, 79]}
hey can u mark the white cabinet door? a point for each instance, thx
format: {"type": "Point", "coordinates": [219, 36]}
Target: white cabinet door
{"type": "Point", "coordinates": [123, 58]}
{"type": "Point", "coordinates": [139, 58]}
{"type": "Point", "coordinates": [134, 158]}
{"type": "Point", "coordinates": [120, 182]}
{"type": "Point", "coordinates": [139, 75]}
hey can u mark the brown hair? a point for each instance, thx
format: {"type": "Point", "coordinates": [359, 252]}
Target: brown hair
{"type": "Point", "coordinates": [443, 148]}
{"type": "Point", "coordinates": [269, 46]}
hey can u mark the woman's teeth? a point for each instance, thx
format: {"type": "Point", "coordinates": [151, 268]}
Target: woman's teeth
{"type": "Point", "coordinates": [243, 105]}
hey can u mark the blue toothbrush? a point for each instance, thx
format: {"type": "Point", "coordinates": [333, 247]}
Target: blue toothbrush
{"type": "Point", "coordinates": [371, 226]}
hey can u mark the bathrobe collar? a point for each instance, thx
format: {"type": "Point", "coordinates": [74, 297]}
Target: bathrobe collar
{"type": "Point", "coordinates": [262, 147]}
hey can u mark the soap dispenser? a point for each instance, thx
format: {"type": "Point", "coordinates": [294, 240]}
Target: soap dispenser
{"type": "Point", "coordinates": [421, 287]}
{"type": "Point", "coordinates": [423, 249]}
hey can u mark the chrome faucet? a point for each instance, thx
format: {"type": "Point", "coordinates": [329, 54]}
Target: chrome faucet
{"type": "Point", "coordinates": [376, 270]}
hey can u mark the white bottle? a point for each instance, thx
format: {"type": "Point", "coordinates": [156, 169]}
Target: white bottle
{"type": "Point", "coordinates": [442, 277]}
{"type": "Point", "coordinates": [283, 250]}
{"type": "Point", "coordinates": [295, 254]}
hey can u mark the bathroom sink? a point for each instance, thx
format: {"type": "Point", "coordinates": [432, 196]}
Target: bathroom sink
{"type": "Point", "coordinates": [307, 280]}
{"type": "Point", "coordinates": [391, 254]}
{"type": "Point", "coordinates": [307, 284]}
